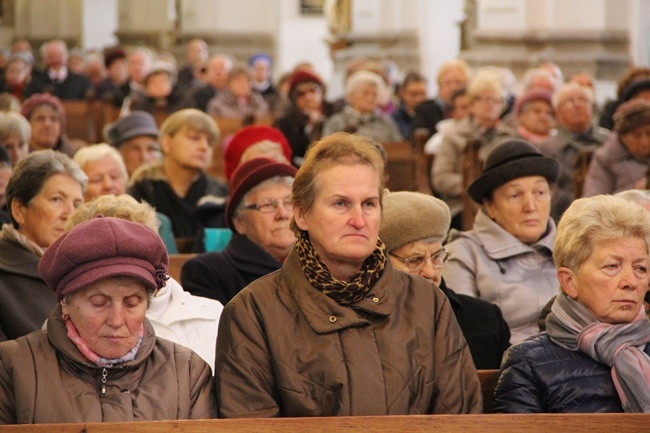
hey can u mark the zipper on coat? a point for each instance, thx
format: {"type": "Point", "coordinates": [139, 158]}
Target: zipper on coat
{"type": "Point", "coordinates": [104, 376]}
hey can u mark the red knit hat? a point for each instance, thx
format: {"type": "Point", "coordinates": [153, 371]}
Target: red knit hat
{"type": "Point", "coordinates": [300, 77]}
{"type": "Point", "coordinates": [248, 136]}
{"type": "Point", "coordinates": [249, 175]}
{"type": "Point", "coordinates": [101, 248]}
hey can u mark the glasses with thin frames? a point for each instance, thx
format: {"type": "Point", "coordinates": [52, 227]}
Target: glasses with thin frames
{"type": "Point", "coordinates": [269, 205]}
{"type": "Point", "coordinates": [415, 263]}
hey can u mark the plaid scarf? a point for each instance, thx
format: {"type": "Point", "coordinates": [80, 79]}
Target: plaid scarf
{"type": "Point", "coordinates": [620, 346]}
{"type": "Point", "coordinates": [343, 292]}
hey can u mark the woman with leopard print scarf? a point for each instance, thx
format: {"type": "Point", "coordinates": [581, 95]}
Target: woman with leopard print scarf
{"type": "Point", "coordinates": [337, 330]}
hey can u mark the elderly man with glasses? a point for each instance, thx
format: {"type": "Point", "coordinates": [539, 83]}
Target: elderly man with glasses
{"type": "Point", "coordinates": [258, 212]}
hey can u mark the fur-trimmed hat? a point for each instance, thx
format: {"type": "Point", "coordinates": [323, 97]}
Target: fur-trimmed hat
{"type": "Point", "coordinates": [249, 175]}
{"type": "Point", "coordinates": [248, 136]}
{"type": "Point", "coordinates": [510, 160]}
{"type": "Point", "coordinates": [411, 216]}
{"type": "Point", "coordinates": [100, 248]}
{"type": "Point", "coordinates": [632, 115]}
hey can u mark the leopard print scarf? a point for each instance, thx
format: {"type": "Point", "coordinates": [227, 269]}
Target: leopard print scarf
{"type": "Point", "coordinates": [343, 292]}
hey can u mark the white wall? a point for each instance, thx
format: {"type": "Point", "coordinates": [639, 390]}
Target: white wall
{"type": "Point", "coordinates": [99, 23]}
{"type": "Point", "coordinates": [301, 38]}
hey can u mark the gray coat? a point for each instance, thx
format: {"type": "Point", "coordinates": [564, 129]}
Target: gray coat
{"type": "Point", "coordinates": [489, 263]}
{"type": "Point", "coordinates": [378, 127]}
{"type": "Point", "coordinates": [447, 173]}
{"type": "Point", "coordinates": [613, 169]}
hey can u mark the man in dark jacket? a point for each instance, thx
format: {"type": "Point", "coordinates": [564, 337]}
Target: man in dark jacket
{"type": "Point", "coordinates": [56, 78]}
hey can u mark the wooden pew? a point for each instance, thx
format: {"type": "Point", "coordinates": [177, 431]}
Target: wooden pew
{"type": "Point", "coordinates": [472, 166]}
{"type": "Point", "coordinates": [580, 170]}
{"type": "Point", "coordinates": [79, 122]}
{"type": "Point", "coordinates": [176, 262]}
{"type": "Point", "coordinates": [520, 423]}
{"type": "Point", "coordinates": [489, 379]}
{"type": "Point", "coordinates": [401, 166]}
{"type": "Point", "coordinates": [423, 162]}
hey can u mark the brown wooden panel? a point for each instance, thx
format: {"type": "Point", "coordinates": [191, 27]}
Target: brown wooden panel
{"type": "Point", "coordinates": [489, 379]}
{"type": "Point", "coordinates": [520, 423]}
{"type": "Point", "coordinates": [176, 262]}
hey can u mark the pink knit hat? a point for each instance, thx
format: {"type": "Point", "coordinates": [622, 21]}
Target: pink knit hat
{"type": "Point", "coordinates": [248, 136]}
{"type": "Point", "coordinates": [101, 248]}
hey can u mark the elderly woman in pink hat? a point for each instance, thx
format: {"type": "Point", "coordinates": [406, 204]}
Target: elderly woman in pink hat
{"type": "Point", "coordinates": [46, 116]}
{"type": "Point", "coordinates": [99, 359]}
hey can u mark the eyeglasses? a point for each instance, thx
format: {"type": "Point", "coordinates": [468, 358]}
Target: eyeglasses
{"type": "Point", "coordinates": [270, 205]}
{"type": "Point", "coordinates": [489, 99]}
{"type": "Point", "coordinates": [573, 102]}
{"type": "Point", "coordinates": [415, 263]}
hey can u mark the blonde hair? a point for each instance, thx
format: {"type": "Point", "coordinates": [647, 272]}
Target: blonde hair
{"type": "Point", "coordinates": [596, 219]}
{"type": "Point", "coordinates": [121, 206]}
{"type": "Point", "coordinates": [482, 83]}
{"type": "Point", "coordinates": [193, 119]}
{"type": "Point", "coordinates": [340, 148]}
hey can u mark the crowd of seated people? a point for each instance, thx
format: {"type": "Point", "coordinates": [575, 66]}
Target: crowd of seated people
{"type": "Point", "coordinates": [333, 296]}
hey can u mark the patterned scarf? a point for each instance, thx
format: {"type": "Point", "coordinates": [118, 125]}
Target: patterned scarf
{"type": "Point", "coordinates": [620, 346]}
{"type": "Point", "coordinates": [92, 356]}
{"type": "Point", "coordinates": [343, 292]}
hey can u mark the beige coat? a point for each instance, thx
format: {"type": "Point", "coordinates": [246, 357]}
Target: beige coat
{"type": "Point", "coordinates": [45, 379]}
{"type": "Point", "coordinates": [286, 349]}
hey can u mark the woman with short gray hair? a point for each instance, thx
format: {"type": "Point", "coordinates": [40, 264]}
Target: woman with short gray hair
{"type": "Point", "coordinates": [44, 189]}
{"type": "Point", "coordinates": [15, 134]}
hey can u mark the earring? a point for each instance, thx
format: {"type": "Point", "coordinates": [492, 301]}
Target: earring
{"type": "Point", "coordinates": [65, 316]}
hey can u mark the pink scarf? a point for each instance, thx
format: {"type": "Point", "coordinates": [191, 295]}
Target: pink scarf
{"type": "Point", "coordinates": [95, 358]}
{"type": "Point", "coordinates": [572, 326]}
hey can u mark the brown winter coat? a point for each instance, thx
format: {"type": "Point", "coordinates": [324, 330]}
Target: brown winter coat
{"type": "Point", "coordinates": [286, 349]}
{"type": "Point", "coordinates": [45, 379]}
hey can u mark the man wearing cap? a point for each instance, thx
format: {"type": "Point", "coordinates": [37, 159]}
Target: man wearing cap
{"type": "Point", "coordinates": [573, 106]}
{"type": "Point", "coordinates": [135, 136]}
{"type": "Point", "coordinates": [56, 78]}
{"type": "Point", "coordinates": [258, 212]}
{"type": "Point", "coordinates": [99, 359]}
{"type": "Point", "coordinates": [302, 123]}
{"type": "Point", "coordinates": [622, 162]}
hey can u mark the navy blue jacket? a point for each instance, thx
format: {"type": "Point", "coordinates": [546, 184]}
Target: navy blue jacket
{"type": "Point", "coordinates": [538, 376]}
{"type": "Point", "coordinates": [221, 275]}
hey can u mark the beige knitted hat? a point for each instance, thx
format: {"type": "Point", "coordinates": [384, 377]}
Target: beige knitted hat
{"type": "Point", "coordinates": [411, 216]}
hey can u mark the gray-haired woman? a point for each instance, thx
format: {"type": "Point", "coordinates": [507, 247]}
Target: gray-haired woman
{"type": "Point", "coordinates": [44, 189]}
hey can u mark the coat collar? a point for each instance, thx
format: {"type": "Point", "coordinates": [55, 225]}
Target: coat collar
{"type": "Point", "coordinates": [324, 314]}
{"type": "Point", "coordinates": [499, 244]}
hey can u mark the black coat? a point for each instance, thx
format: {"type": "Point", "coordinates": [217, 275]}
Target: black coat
{"type": "Point", "coordinates": [26, 299]}
{"type": "Point", "coordinates": [293, 124]}
{"type": "Point", "coordinates": [483, 326]}
{"type": "Point", "coordinates": [221, 275]}
{"type": "Point", "coordinates": [427, 115]}
{"type": "Point", "coordinates": [74, 87]}
{"type": "Point", "coordinates": [538, 376]}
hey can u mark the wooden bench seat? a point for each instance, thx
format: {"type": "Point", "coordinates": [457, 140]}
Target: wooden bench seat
{"type": "Point", "coordinates": [520, 423]}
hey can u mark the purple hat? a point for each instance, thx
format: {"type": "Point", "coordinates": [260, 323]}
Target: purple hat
{"type": "Point", "coordinates": [100, 248]}
{"type": "Point", "coordinates": [38, 99]}
{"type": "Point", "coordinates": [250, 174]}
{"type": "Point", "coordinates": [134, 124]}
